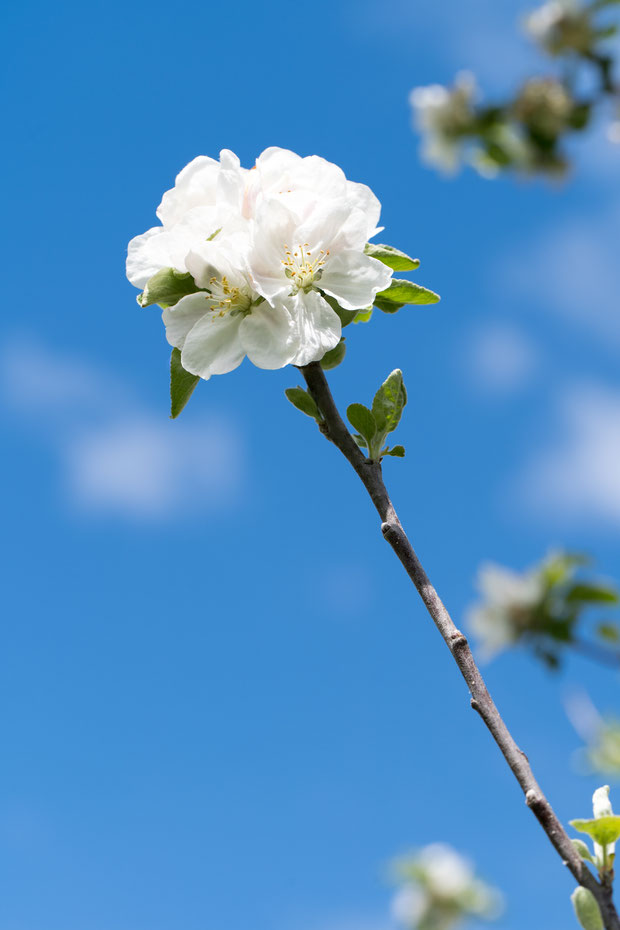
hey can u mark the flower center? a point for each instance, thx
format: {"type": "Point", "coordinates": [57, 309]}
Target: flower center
{"type": "Point", "coordinates": [302, 267]}
{"type": "Point", "coordinates": [225, 298]}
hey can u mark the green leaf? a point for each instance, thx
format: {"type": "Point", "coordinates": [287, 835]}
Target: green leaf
{"type": "Point", "coordinates": [592, 594]}
{"type": "Point", "coordinates": [302, 400]}
{"type": "Point", "coordinates": [360, 441]}
{"type": "Point", "coordinates": [391, 257]}
{"type": "Point", "coordinates": [362, 420]}
{"type": "Point", "coordinates": [387, 406]}
{"type": "Point", "coordinates": [182, 384]}
{"type": "Point", "coordinates": [334, 357]}
{"type": "Point", "coordinates": [402, 292]}
{"type": "Point", "coordinates": [167, 287]}
{"type": "Point", "coordinates": [586, 909]}
{"type": "Point", "coordinates": [363, 316]}
{"type": "Point", "coordinates": [608, 632]}
{"type": "Point", "coordinates": [582, 849]}
{"type": "Point", "coordinates": [398, 451]}
{"type": "Point", "coordinates": [603, 830]}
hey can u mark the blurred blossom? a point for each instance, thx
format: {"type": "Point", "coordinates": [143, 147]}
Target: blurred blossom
{"type": "Point", "coordinates": [509, 600]}
{"type": "Point", "coordinates": [444, 116]}
{"type": "Point", "coordinates": [601, 734]}
{"type": "Point", "coordinates": [439, 889]}
{"type": "Point", "coordinates": [544, 106]}
{"type": "Point", "coordinates": [561, 26]}
{"type": "Point", "coordinates": [542, 608]}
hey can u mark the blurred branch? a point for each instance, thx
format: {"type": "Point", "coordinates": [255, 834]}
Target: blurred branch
{"type": "Point", "coordinates": [370, 474]}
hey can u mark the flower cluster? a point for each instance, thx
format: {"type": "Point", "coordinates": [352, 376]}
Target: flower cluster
{"type": "Point", "coordinates": [525, 132]}
{"type": "Point", "coordinates": [253, 262]}
{"type": "Point", "coordinates": [439, 889]}
{"type": "Point", "coordinates": [542, 608]}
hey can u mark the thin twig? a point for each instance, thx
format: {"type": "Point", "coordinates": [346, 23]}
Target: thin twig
{"type": "Point", "coordinates": [371, 476]}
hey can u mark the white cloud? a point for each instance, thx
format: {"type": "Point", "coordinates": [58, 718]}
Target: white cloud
{"type": "Point", "coordinates": [483, 35]}
{"type": "Point", "coordinates": [576, 478]}
{"type": "Point", "coordinates": [500, 358]}
{"type": "Point", "coordinates": [147, 467]}
{"type": "Point", "coordinates": [573, 270]}
{"type": "Point", "coordinates": [117, 455]}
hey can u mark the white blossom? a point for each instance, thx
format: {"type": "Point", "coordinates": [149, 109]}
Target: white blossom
{"type": "Point", "coordinates": [601, 807]}
{"type": "Point", "coordinates": [297, 256]}
{"type": "Point", "coordinates": [207, 196]}
{"type": "Point", "coordinates": [443, 115]}
{"type": "Point", "coordinates": [541, 22]}
{"type": "Point", "coordinates": [507, 600]}
{"type": "Point", "coordinates": [440, 887]}
{"type": "Point", "coordinates": [266, 247]}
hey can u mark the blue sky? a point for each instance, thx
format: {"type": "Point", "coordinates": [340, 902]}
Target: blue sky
{"type": "Point", "coordinates": [223, 707]}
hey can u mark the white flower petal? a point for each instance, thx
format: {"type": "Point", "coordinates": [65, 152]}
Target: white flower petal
{"type": "Point", "coordinates": [195, 185]}
{"type": "Point", "coordinates": [273, 231]}
{"type": "Point", "coordinates": [269, 336]}
{"type": "Point", "coordinates": [318, 326]}
{"type": "Point", "coordinates": [146, 255]}
{"type": "Point", "coordinates": [179, 319]}
{"type": "Point", "coordinates": [354, 279]}
{"type": "Point", "coordinates": [212, 346]}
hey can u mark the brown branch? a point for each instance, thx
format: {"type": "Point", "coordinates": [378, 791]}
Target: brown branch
{"type": "Point", "coordinates": [371, 476]}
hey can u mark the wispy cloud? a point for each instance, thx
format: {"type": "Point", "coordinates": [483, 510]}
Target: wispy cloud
{"type": "Point", "coordinates": [575, 477]}
{"type": "Point", "coordinates": [572, 270]}
{"type": "Point", "coordinates": [482, 35]}
{"type": "Point", "coordinates": [118, 457]}
{"type": "Point", "coordinates": [499, 357]}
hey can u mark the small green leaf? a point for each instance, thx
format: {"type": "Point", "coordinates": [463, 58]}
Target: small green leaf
{"type": "Point", "coordinates": [363, 316]}
{"type": "Point", "coordinates": [582, 849]}
{"type": "Point", "coordinates": [182, 384]}
{"type": "Point", "coordinates": [387, 406]}
{"type": "Point", "coordinates": [592, 594]}
{"type": "Point", "coordinates": [362, 420]}
{"type": "Point", "coordinates": [334, 357]}
{"type": "Point", "coordinates": [402, 292]}
{"type": "Point", "coordinates": [302, 400]}
{"type": "Point", "coordinates": [586, 909]}
{"type": "Point", "coordinates": [398, 451]}
{"type": "Point", "coordinates": [609, 632]}
{"type": "Point", "coordinates": [393, 258]}
{"type": "Point", "coordinates": [360, 441]}
{"type": "Point", "coordinates": [603, 830]}
{"type": "Point", "coordinates": [167, 287]}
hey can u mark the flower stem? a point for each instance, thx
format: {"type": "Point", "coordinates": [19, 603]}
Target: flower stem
{"type": "Point", "coordinates": [370, 474]}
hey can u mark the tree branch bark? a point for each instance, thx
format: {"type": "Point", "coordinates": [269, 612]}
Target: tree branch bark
{"type": "Point", "coordinates": [370, 474]}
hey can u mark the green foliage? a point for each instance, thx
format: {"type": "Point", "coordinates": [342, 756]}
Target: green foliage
{"type": "Point", "coordinates": [363, 421]}
{"type": "Point", "coordinates": [302, 400]}
{"type": "Point", "coordinates": [374, 425]}
{"type": "Point", "coordinates": [167, 287]}
{"type": "Point", "coordinates": [586, 909]}
{"type": "Point", "coordinates": [603, 830]}
{"type": "Point", "coordinates": [334, 357]}
{"type": "Point", "coordinates": [582, 849]}
{"type": "Point", "coordinates": [401, 292]}
{"type": "Point", "coordinates": [592, 594]}
{"type": "Point", "coordinates": [182, 384]}
{"type": "Point", "coordinates": [391, 257]}
{"type": "Point", "coordinates": [388, 403]}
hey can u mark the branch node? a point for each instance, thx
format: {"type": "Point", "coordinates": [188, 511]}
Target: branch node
{"type": "Point", "coordinates": [532, 798]}
{"type": "Point", "coordinates": [457, 640]}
